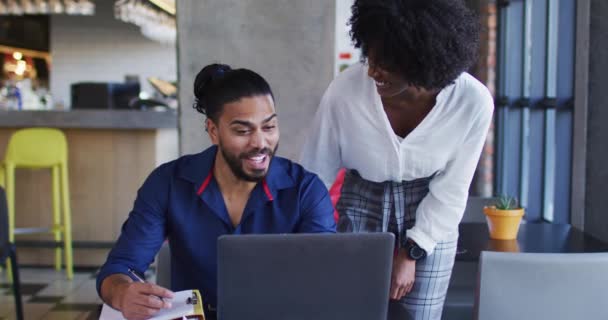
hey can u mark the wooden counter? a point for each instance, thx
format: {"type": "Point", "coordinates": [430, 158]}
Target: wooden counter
{"type": "Point", "coordinates": [90, 119]}
{"type": "Point", "coordinates": [110, 154]}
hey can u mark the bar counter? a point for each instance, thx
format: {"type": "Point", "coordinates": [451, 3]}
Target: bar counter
{"type": "Point", "coordinates": [90, 119]}
{"type": "Point", "coordinates": [110, 153]}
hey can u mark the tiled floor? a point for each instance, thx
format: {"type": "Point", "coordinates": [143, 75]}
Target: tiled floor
{"type": "Point", "coordinates": [48, 295]}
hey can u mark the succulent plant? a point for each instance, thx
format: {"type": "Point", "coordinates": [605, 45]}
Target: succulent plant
{"type": "Point", "coordinates": [506, 202]}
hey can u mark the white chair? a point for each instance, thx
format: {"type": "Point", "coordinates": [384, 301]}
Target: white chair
{"type": "Point", "coordinates": [542, 286]}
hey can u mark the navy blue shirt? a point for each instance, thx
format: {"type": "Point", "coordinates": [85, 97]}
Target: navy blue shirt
{"type": "Point", "coordinates": [181, 201]}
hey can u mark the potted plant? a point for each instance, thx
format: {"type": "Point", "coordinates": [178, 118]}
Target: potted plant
{"type": "Point", "coordinates": [504, 218]}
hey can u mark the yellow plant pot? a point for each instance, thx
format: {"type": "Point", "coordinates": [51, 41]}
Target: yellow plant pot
{"type": "Point", "coordinates": [503, 245]}
{"type": "Point", "coordinates": [503, 224]}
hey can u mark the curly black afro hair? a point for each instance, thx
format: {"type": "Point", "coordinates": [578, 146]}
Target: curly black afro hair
{"type": "Point", "coordinates": [427, 42]}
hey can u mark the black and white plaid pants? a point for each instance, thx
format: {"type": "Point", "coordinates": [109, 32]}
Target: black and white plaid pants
{"type": "Point", "coordinates": [366, 206]}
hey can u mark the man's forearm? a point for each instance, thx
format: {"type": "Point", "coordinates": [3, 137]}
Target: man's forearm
{"type": "Point", "coordinates": [110, 289]}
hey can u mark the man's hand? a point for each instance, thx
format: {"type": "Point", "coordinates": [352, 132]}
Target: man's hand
{"type": "Point", "coordinates": [136, 300]}
{"type": "Point", "coordinates": [402, 278]}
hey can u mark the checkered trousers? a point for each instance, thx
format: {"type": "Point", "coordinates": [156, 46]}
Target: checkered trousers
{"type": "Point", "coordinates": [366, 206]}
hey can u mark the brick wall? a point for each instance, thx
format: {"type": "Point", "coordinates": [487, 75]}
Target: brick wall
{"type": "Point", "coordinates": [485, 71]}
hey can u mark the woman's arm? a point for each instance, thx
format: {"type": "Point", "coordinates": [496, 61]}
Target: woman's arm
{"type": "Point", "coordinates": [441, 210]}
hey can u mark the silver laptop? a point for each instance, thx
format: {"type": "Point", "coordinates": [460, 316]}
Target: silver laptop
{"type": "Point", "coordinates": [304, 276]}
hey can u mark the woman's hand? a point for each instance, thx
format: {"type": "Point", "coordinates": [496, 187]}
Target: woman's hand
{"type": "Point", "coordinates": [402, 278]}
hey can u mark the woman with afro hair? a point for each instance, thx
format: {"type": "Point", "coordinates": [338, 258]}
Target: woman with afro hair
{"type": "Point", "coordinates": [408, 124]}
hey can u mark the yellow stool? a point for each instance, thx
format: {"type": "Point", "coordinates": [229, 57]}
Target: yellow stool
{"type": "Point", "coordinates": [40, 148]}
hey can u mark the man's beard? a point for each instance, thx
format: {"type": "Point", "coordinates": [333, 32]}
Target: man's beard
{"type": "Point", "coordinates": [236, 166]}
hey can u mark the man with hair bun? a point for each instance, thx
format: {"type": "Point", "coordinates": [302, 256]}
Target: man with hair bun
{"type": "Point", "coordinates": [408, 124]}
{"type": "Point", "coordinates": [237, 186]}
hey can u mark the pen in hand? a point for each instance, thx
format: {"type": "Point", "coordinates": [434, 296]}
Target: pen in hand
{"type": "Point", "coordinates": [140, 279]}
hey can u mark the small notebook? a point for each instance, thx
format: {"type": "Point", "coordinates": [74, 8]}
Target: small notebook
{"type": "Point", "coordinates": [185, 304]}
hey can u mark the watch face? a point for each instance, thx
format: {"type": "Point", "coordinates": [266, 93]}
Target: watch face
{"type": "Point", "coordinates": [416, 253]}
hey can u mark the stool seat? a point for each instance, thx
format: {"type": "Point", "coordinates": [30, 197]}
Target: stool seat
{"type": "Point", "coordinates": [42, 148]}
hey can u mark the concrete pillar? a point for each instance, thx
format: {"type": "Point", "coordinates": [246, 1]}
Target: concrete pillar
{"type": "Point", "coordinates": [590, 133]}
{"type": "Point", "coordinates": [290, 43]}
{"type": "Point", "coordinates": [596, 202]}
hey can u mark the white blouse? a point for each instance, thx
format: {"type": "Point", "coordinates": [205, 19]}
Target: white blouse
{"type": "Point", "coordinates": [352, 130]}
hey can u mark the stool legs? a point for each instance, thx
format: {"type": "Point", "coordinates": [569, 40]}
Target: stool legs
{"type": "Point", "coordinates": [9, 271]}
{"type": "Point", "coordinates": [16, 282]}
{"type": "Point", "coordinates": [10, 201]}
{"type": "Point", "coordinates": [62, 222]}
{"type": "Point", "coordinates": [67, 222]}
{"type": "Point", "coordinates": [3, 185]}
{"type": "Point", "coordinates": [57, 229]}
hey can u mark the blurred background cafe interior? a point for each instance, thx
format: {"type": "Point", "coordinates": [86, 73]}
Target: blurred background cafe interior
{"type": "Point", "coordinates": [114, 77]}
{"type": "Point", "coordinates": [104, 74]}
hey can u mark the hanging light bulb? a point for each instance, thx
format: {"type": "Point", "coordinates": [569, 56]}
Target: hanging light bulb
{"type": "Point", "coordinates": [42, 7]}
{"type": "Point", "coordinates": [71, 7]}
{"type": "Point", "coordinates": [154, 24]}
{"type": "Point", "coordinates": [86, 7]}
{"type": "Point", "coordinates": [14, 8]}
{"type": "Point", "coordinates": [3, 8]}
{"type": "Point", "coordinates": [28, 7]}
{"type": "Point", "coordinates": [55, 6]}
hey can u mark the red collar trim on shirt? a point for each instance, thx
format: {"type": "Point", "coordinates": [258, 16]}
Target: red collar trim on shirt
{"type": "Point", "coordinates": [205, 183]}
{"type": "Point", "coordinates": [267, 190]}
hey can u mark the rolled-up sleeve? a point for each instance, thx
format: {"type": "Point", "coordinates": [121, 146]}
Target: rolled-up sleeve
{"type": "Point", "coordinates": [143, 232]}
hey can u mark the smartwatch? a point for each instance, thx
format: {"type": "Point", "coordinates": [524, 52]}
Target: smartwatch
{"type": "Point", "coordinates": [414, 252]}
